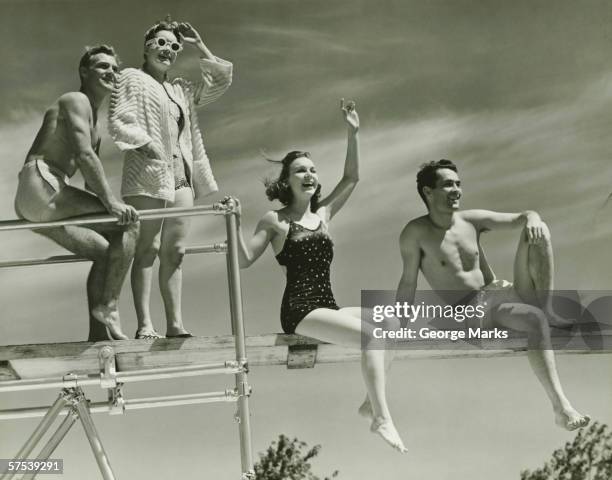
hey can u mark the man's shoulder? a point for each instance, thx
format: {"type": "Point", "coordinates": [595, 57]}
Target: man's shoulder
{"type": "Point", "coordinates": [414, 228]}
{"type": "Point", "coordinates": [417, 224]}
{"type": "Point", "coordinates": [74, 101]}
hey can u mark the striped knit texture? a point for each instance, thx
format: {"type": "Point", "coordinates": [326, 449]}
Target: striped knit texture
{"type": "Point", "coordinates": [139, 114]}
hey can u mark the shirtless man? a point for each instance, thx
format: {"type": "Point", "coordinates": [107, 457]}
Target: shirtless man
{"type": "Point", "coordinates": [68, 140]}
{"type": "Point", "coordinates": [445, 246]}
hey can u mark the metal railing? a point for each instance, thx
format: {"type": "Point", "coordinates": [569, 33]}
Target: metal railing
{"type": "Point", "coordinates": [72, 401]}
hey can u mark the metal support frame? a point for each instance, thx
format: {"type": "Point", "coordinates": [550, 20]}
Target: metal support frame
{"type": "Point", "coordinates": [79, 409]}
{"type": "Point", "coordinates": [55, 440]}
{"type": "Point", "coordinates": [72, 399]}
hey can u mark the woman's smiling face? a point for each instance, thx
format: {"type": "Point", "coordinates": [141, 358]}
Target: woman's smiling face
{"type": "Point", "coordinates": [303, 178]}
{"type": "Point", "coordinates": [162, 50]}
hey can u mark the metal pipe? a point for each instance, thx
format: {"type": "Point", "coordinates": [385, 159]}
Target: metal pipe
{"type": "Point", "coordinates": [59, 404]}
{"type": "Point", "coordinates": [135, 404]}
{"type": "Point", "coordinates": [242, 385]}
{"type": "Point", "coordinates": [54, 441]}
{"type": "Point", "coordinates": [176, 400]}
{"type": "Point", "coordinates": [28, 262]}
{"type": "Point", "coordinates": [122, 377]}
{"type": "Point", "coordinates": [175, 372]}
{"type": "Point", "coordinates": [47, 383]}
{"type": "Point", "coordinates": [155, 213]}
{"type": "Point", "coordinates": [94, 439]}
{"type": "Point", "coordinates": [58, 259]}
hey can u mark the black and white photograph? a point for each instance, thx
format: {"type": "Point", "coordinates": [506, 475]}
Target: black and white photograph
{"type": "Point", "coordinates": [306, 239]}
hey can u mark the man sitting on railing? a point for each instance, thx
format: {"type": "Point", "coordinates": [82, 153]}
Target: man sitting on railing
{"type": "Point", "coordinates": [68, 140]}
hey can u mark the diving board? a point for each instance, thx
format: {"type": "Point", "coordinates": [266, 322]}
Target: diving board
{"type": "Point", "coordinates": [58, 359]}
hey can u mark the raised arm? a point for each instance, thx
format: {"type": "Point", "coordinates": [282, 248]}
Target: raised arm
{"type": "Point", "coordinates": [216, 72]}
{"type": "Point", "coordinates": [75, 108]}
{"type": "Point", "coordinates": [486, 220]}
{"type": "Point", "coordinates": [411, 260]}
{"type": "Point", "coordinates": [251, 249]}
{"type": "Point", "coordinates": [340, 194]}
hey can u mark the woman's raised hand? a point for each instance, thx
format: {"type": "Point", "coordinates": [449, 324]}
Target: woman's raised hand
{"type": "Point", "coordinates": [350, 114]}
{"type": "Point", "coordinates": [190, 35]}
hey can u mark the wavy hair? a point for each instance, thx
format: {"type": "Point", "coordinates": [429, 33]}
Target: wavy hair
{"type": "Point", "coordinates": [427, 175]}
{"type": "Point", "coordinates": [279, 189]}
{"type": "Point", "coordinates": [167, 24]}
{"type": "Point", "coordinates": [90, 51]}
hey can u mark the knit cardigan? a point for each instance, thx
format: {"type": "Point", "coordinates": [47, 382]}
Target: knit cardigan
{"type": "Point", "coordinates": [139, 114]}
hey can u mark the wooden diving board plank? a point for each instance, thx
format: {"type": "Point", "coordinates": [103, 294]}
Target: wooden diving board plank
{"type": "Point", "coordinates": [57, 359]}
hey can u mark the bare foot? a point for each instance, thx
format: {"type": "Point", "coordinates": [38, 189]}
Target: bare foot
{"type": "Point", "coordinates": [109, 316]}
{"type": "Point", "coordinates": [570, 419]}
{"type": "Point", "coordinates": [365, 410]}
{"type": "Point", "coordinates": [177, 330]}
{"type": "Point", "coordinates": [147, 334]}
{"type": "Point", "coordinates": [557, 321]}
{"type": "Point", "coordinates": [385, 428]}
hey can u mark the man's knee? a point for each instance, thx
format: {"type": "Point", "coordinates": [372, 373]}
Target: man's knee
{"type": "Point", "coordinates": [546, 235]}
{"type": "Point", "coordinates": [172, 255]}
{"type": "Point", "coordinates": [132, 229]}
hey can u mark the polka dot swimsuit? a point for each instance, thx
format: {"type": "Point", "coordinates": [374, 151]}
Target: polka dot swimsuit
{"type": "Point", "coordinates": [307, 254]}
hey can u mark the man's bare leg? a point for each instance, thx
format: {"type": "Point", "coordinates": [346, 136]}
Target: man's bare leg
{"type": "Point", "coordinates": [116, 252]}
{"type": "Point", "coordinates": [534, 273]}
{"type": "Point", "coordinates": [121, 246]}
{"type": "Point", "coordinates": [95, 284]}
{"type": "Point", "coordinates": [533, 322]}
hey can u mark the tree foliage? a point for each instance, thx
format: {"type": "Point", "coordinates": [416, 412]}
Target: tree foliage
{"type": "Point", "coordinates": [288, 459]}
{"type": "Point", "coordinates": [587, 457]}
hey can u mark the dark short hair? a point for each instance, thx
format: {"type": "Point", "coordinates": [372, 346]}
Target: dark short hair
{"type": "Point", "coordinates": [167, 25]}
{"type": "Point", "coordinates": [279, 189]}
{"type": "Point", "coordinates": [428, 174]}
{"type": "Point", "coordinates": [94, 50]}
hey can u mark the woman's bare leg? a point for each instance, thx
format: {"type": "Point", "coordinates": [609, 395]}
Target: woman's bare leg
{"type": "Point", "coordinates": [171, 253]}
{"type": "Point", "coordinates": [147, 249]}
{"type": "Point", "coordinates": [344, 327]}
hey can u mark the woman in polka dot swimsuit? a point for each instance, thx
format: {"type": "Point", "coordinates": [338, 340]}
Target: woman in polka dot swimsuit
{"type": "Point", "coordinates": [298, 235]}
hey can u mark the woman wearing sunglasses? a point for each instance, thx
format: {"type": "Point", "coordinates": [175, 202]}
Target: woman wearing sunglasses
{"type": "Point", "coordinates": [298, 235]}
{"type": "Point", "coordinates": [153, 120]}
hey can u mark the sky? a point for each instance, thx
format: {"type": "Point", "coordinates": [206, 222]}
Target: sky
{"type": "Point", "coordinates": [518, 94]}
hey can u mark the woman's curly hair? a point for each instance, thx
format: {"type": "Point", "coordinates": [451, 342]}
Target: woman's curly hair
{"type": "Point", "coordinates": [167, 24]}
{"type": "Point", "coordinates": [279, 189]}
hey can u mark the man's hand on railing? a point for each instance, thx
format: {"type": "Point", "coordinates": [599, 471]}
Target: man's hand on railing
{"type": "Point", "coordinates": [124, 213]}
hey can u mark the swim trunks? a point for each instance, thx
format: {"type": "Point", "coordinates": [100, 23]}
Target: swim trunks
{"type": "Point", "coordinates": [307, 255]}
{"type": "Point", "coordinates": [492, 296]}
{"type": "Point", "coordinates": [39, 183]}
